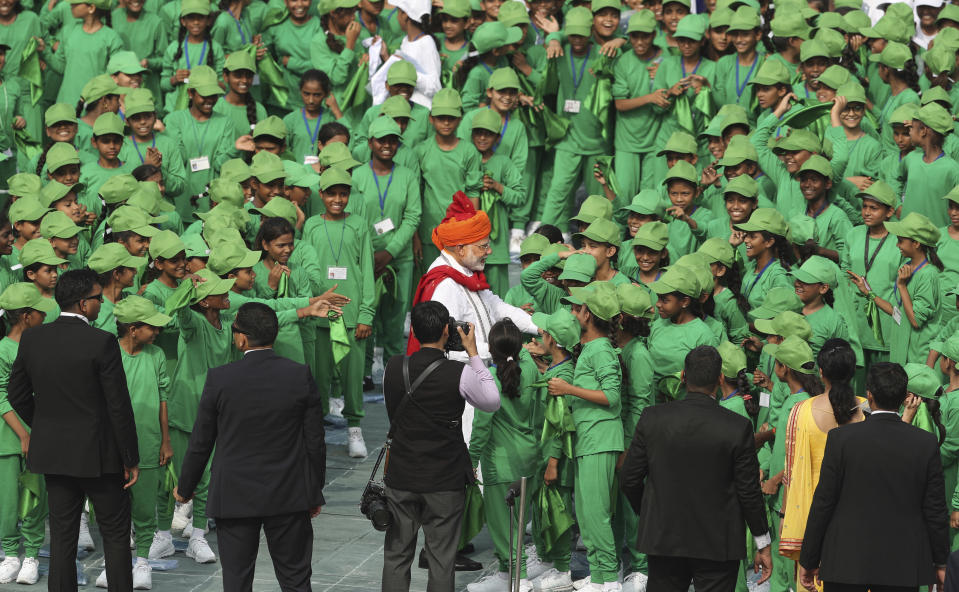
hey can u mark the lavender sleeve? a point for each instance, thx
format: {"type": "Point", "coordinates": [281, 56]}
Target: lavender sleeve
{"type": "Point", "coordinates": [478, 387]}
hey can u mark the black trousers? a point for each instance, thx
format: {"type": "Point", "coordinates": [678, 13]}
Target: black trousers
{"type": "Point", "coordinates": [289, 537]}
{"type": "Point", "coordinates": [673, 574]}
{"type": "Point", "coordinates": [111, 506]}
{"type": "Point", "coordinates": [834, 587]}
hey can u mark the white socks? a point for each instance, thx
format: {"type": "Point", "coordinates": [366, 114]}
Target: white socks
{"type": "Point", "coordinates": [197, 534]}
{"type": "Point", "coordinates": [143, 561]}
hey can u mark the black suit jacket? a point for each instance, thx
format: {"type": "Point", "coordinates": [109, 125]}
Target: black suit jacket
{"type": "Point", "coordinates": [878, 516]}
{"type": "Point", "coordinates": [264, 414]}
{"type": "Point", "coordinates": [692, 476]}
{"type": "Point", "coordinates": [68, 385]}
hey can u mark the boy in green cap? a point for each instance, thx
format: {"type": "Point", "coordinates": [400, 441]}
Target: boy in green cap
{"type": "Point", "coordinates": [896, 67]}
{"type": "Point", "coordinates": [687, 229]}
{"type": "Point", "coordinates": [647, 206]}
{"type": "Point", "coordinates": [492, 41]}
{"type": "Point", "coordinates": [593, 207]}
{"type": "Point", "coordinates": [601, 240]}
{"type": "Point", "coordinates": [41, 267]}
{"type": "Point", "coordinates": [578, 270]}
{"type": "Point", "coordinates": [62, 233]}
{"type": "Point", "coordinates": [681, 145]}
{"type": "Point", "coordinates": [168, 254]}
{"type": "Point", "coordinates": [901, 121]}
{"type": "Point", "coordinates": [269, 134]}
{"type": "Point", "coordinates": [832, 225]}
{"type": "Point", "coordinates": [117, 269]}
{"type": "Point", "coordinates": [107, 140]}
{"type": "Point", "coordinates": [144, 145]}
{"type": "Point", "coordinates": [338, 53]}
{"type": "Point", "coordinates": [814, 59]}
{"type": "Point", "coordinates": [289, 42]}
{"type": "Point", "coordinates": [192, 47]}
{"type": "Point", "coordinates": [400, 82]}
{"type": "Point", "coordinates": [924, 174]}
{"type": "Point", "coordinates": [530, 252]}
{"type": "Point", "coordinates": [733, 72]}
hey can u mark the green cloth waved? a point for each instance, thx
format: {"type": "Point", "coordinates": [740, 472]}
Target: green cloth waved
{"type": "Point", "coordinates": [558, 422]}
{"type": "Point", "coordinates": [384, 287]}
{"type": "Point", "coordinates": [339, 340]}
{"type": "Point", "coordinates": [26, 146]}
{"type": "Point", "coordinates": [601, 94]}
{"type": "Point", "coordinates": [354, 95]}
{"type": "Point", "coordinates": [169, 484]}
{"type": "Point", "coordinates": [873, 318]}
{"type": "Point", "coordinates": [549, 124]}
{"type": "Point", "coordinates": [31, 490]}
{"type": "Point", "coordinates": [283, 286]}
{"type": "Point", "coordinates": [606, 168]}
{"type": "Point", "coordinates": [489, 203]}
{"type": "Point", "coordinates": [270, 75]}
{"type": "Point", "coordinates": [30, 70]}
{"type": "Point", "coordinates": [473, 516]}
{"type": "Point", "coordinates": [671, 385]}
{"type": "Point", "coordinates": [552, 514]}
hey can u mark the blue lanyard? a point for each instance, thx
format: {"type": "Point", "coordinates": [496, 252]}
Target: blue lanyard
{"type": "Point", "coordinates": [315, 132]}
{"type": "Point", "coordinates": [134, 140]}
{"type": "Point", "coordinates": [914, 272]}
{"type": "Point", "coordinates": [731, 395]}
{"type": "Point", "coordinates": [502, 133]}
{"type": "Point", "coordinates": [186, 53]}
{"type": "Point", "coordinates": [239, 27]}
{"type": "Point", "coordinates": [381, 196]}
{"type": "Point", "coordinates": [196, 134]}
{"type": "Point", "coordinates": [582, 69]}
{"type": "Point", "coordinates": [741, 89]}
{"type": "Point", "coordinates": [336, 258]}
{"type": "Point", "coordinates": [488, 69]}
{"type": "Point", "coordinates": [683, 64]}
{"type": "Point", "coordinates": [759, 275]}
{"type": "Point", "coordinates": [820, 210]}
{"type": "Point", "coordinates": [559, 363]}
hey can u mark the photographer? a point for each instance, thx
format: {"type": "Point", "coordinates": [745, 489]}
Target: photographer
{"type": "Point", "coordinates": [429, 467]}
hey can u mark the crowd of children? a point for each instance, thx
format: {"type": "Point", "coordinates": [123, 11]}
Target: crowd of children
{"type": "Point", "coordinates": [766, 179]}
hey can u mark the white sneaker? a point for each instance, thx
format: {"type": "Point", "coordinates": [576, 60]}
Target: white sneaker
{"type": "Point", "coordinates": [516, 236]}
{"type": "Point", "coordinates": [635, 582]}
{"type": "Point", "coordinates": [498, 582]}
{"type": "Point", "coordinates": [142, 578]}
{"type": "Point", "coordinates": [85, 541]}
{"type": "Point", "coordinates": [356, 446]}
{"type": "Point", "coordinates": [612, 587]}
{"type": "Point", "coordinates": [29, 572]}
{"type": "Point", "coordinates": [582, 584]}
{"type": "Point", "coordinates": [553, 581]}
{"type": "Point", "coordinates": [525, 585]}
{"type": "Point", "coordinates": [9, 568]}
{"type": "Point", "coordinates": [182, 516]}
{"type": "Point", "coordinates": [336, 406]}
{"type": "Point", "coordinates": [102, 579]}
{"type": "Point", "coordinates": [162, 546]}
{"type": "Point", "coordinates": [535, 567]}
{"type": "Point", "coordinates": [199, 550]}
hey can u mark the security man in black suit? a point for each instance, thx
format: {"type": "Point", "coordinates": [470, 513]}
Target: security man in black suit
{"type": "Point", "coordinates": [692, 476]}
{"type": "Point", "coordinates": [68, 385]}
{"type": "Point", "coordinates": [264, 415]}
{"type": "Point", "coordinates": [878, 519]}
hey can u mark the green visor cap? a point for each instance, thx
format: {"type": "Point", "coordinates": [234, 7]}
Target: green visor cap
{"type": "Point", "coordinates": [108, 124]}
{"type": "Point", "coordinates": [267, 167]}
{"type": "Point", "coordinates": [743, 185]}
{"type": "Point", "coordinates": [227, 256]}
{"type": "Point", "coordinates": [279, 207]}
{"type": "Point", "coordinates": [300, 175]}
{"type": "Point", "coordinates": [745, 18]}
{"type": "Point", "coordinates": [38, 250]}
{"type": "Point", "coordinates": [461, 8]}
{"type": "Point", "coordinates": [794, 353]}
{"type": "Point", "coordinates": [786, 324]}
{"type": "Point", "coordinates": [396, 106]}
{"type": "Point", "coordinates": [28, 208]}
{"type": "Point", "coordinates": [166, 244]}
{"type": "Point", "coordinates": [642, 21]}
{"type": "Point", "coordinates": [801, 229]}
{"type": "Point", "coordinates": [894, 55]}
{"type": "Point", "coordinates": [834, 76]}
{"type": "Point", "coordinates": [812, 49]}
{"type": "Point", "coordinates": [196, 246]}
{"type": "Point", "coordinates": [594, 207]}
{"type": "Point", "coordinates": [740, 149]}
{"type": "Point", "coordinates": [447, 102]}
{"type": "Point", "coordinates": [935, 94]}
{"type": "Point", "coordinates": [226, 191]}
{"type": "Point", "coordinates": [647, 202]}
{"type": "Point", "coordinates": [204, 81]}
{"type": "Point", "coordinates": [511, 14]}
{"type": "Point", "coordinates": [580, 267]}
{"type": "Point", "coordinates": [853, 91]}
{"type": "Point", "coordinates": [56, 224]}
{"type": "Point", "coordinates": [936, 117]}
{"type": "Point", "coordinates": [100, 86]}
{"type": "Point", "coordinates": [149, 199]}
{"type": "Point", "coordinates": [579, 21]}
{"type": "Point", "coordinates": [195, 7]}
{"type": "Point", "coordinates": [799, 139]}
{"type": "Point", "coordinates": [949, 12]}
{"type": "Point", "coordinates": [54, 191]}
{"type": "Point", "coordinates": [770, 73]}
{"type": "Point", "coordinates": [817, 270]}
{"type": "Point", "coordinates": [765, 219]}
{"type": "Point", "coordinates": [834, 41]}
{"type": "Point", "coordinates": [916, 227]}
{"type": "Point", "coordinates": [335, 176]}
{"type": "Point", "coordinates": [855, 20]}
{"type": "Point", "coordinates": [26, 295]}
{"type": "Point", "coordinates": [382, 127]}
{"type": "Point", "coordinates": [24, 184]}
{"type": "Point", "coordinates": [691, 26]}
{"type": "Point", "coordinates": [533, 244]}
{"type": "Point", "coordinates": [125, 62]}
{"type": "Point", "coordinates": [489, 36]}
{"type": "Point", "coordinates": [337, 155]}
{"type": "Point", "coordinates": [718, 250]}
{"type": "Point", "coordinates": [271, 126]}
{"type": "Point", "coordinates": [240, 60]}
{"type": "Point", "coordinates": [699, 267]}
{"type": "Point", "coordinates": [61, 154]}
{"type": "Point", "coordinates": [133, 219]}
{"type": "Point", "coordinates": [489, 120]}
{"type": "Point", "coordinates": [940, 59]}
{"type": "Point", "coordinates": [830, 20]}
{"type": "Point", "coordinates": [681, 143]}
{"type": "Point", "coordinates": [235, 170]}
{"type": "Point", "coordinates": [503, 78]}
{"type": "Point", "coordinates": [597, 5]}
{"type": "Point", "coordinates": [721, 17]}
{"type": "Point", "coordinates": [118, 189]}
{"type": "Point", "coordinates": [139, 100]}
{"type": "Point", "coordinates": [950, 348]}
{"type": "Point", "coordinates": [212, 286]}
{"type": "Point", "coordinates": [401, 72]}
{"type": "Point", "coordinates": [734, 359]}
{"type": "Point", "coordinates": [602, 301]}
{"type": "Point", "coordinates": [652, 235]}
{"type": "Point", "coordinates": [677, 279]}
{"type": "Point", "coordinates": [137, 309]}
{"type": "Point", "coordinates": [904, 114]}
{"type": "Point", "coordinates": [602, 230]}
{"type": "Point", "coordinates": [561, 325]}
{"type": "Point", "coordinates": [777, 300]}
{"type": "Point", "coordinates": [881, 191]}
{"type": "Point", "coordinates": [682, 171]}
{"type": "Point", "coordinates": [817, 164]}
{"type": "Point", "coordinates": [635, 301]}
{"type": "Point", "coordinates": [923, 381]}
{"type": "Point", "coordinates": [556, 249]}
{"type": "Point", "coordinates": [58, 113]}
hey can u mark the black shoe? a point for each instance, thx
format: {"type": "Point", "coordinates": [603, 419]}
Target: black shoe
{"type": "Point", "coordinates": [469, 549]}
{"type": "Point", "coordinates": [463, 563]}
{"type": "Point", "coordinates": [368, 385]}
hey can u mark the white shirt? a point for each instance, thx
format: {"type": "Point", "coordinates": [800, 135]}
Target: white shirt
{"type": "Point", "coordinates": [482, 308]}
{"type": "Point", "coordinates": [74, 314]}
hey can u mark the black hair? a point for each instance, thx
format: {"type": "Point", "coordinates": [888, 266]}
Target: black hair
{"type": "Point", "coordinates": [119, 236]}
{"type": "Point", "coordinates": [529, 258]}
{"type": "Point", "coordinates": [732, 280]}
{"type": "Point", "coordinates": [427, 320]}
{"type": "Point", "coordinates": [505, 344]}
{"type": "Point", "coordinates": [314, 75]}
{"type": "Point", "coordinates": [331, 130]}
{"type": "Point", "coordinates": [909, 74]}
{"type": "Point", "coordinates": [34, 267]}
{"type": "Point", "coordinates": [702, 368]}
{"type": "Point", "coordinates": [888, 384]}
{"type": "Point", "coordinates": [145, 171]}
{"type": "Point", "coordinates": [552, 233]}
{"type": "Point", "coordinates": [837, 362]}
{"type": "Point", "coordinates": [744, 387]}
{"type": "Point", "coordinates": [73, 286]}
{"type": "Point", "coordinates": [106, 278]}
{"type": "Point", "coordinates": [249, 101]}
{"type": "Point", "coordinates": [459, 78]}
{"type": "Point", "coordinates": [258, 322]}
{"type": "Point", "coordinates": [335, 45]}
{"type": "Point", "coordinates": [635, 326]}
{"type": "Point", "coordinates": [181, 37]}
{"type": "Point", "coordinates": [82, 106]}
{"type": "Point", "coordinates": [809, 382]}
{"type": "Point", "coordinates": [12, 318]}
{"type": "Point", "coordinates": [272, 229]}
{"type": "Point", "coordinates": [781, 247]}
{"type": "Point", "coordinates": [932, 256]}
{"type": "Point", "coordinates": [124, 328]}
{"type": "Point", "coordinates": [42, 161]}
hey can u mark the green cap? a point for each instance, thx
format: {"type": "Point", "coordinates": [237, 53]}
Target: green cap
{"type": "Point", "coordinates": [923, 381]}
{"type": "Point", "coordinates": [799, 139]}
{"type": "Point", "coordinates": [602, 300]}
{"type": "Point", "coordinates": [647, 202]}
{"type": "Point", "coordinates": [28, 208]}
{"type": "Point", "coordinates": [461, 8]}
{"type": "Point", "coordinates": [936, 117]}
{"type": "Point", "coordinates": [801, 229]}
{"type": "Point", "coordinates": [125, 62]}
{"type": "Point", "coordinates": [396, 106]}
{"type": "Point", "coordinates": [644, 21]}
{"type": "Point", "coordinates": [699, 267]}
{"type": "Point", "coordinates": [489, 120]}
{"type": "Point", "coordinates": [280, 207]}
{"type": "Point", "coordinates": [512, 14]}
{"type": "Point", "coordinates": [765, 219]}
{"type": "Point", "coordinates": [853, 91]}
{"type": "Point", "coordinates": [786, 324]}
{"type": "Point", "coordinates": [195, 7]}
{"type": "Point", "coordinates": [602, 230]}
{"type": "Point", "coordinates": [113, 255]}
{"type": "Point", "coordinates": [594, 207]}
{"type": "Point", "coordinates": [735, 115]}
{"type": "Point", "coordinates": [904, 114]}
{"type": "Point", "coordinates": [684, 171]}
{"type": "Point", "coordinates": [59, 112]}
{"type": "Point", "coordinates": [652, 235]}
{"type": "Point", "coordinates": [681, 143]}
{"type": "Point", "coordinates": [235, 170]}
{"type": "Point", "coordinates": [100, 86]}
{"type": "Point", "coordinates": [447, 101]}
{"type": "Point", "coordinates": [227, 256]}
{"type": "Point", "coordinates": [886, 28]}
{"type": "Point", "coordinates": [734, 359]}
{"type": "Point", "coordinates": [23, 184]}
{"type": "Point", "coordinates": [26, 295]}
{"type": "Point", "coordinates": [917, 227]}
{"type": "Point", "coordinates": [166, 244]}
{"type": "Point", "coordinates": [195, 246]}
{"type": "Point", "coordinates": [817, 164]}
{"type": "Point", "coordinates": [223, 191]}
{"type": "Point", "coordinates": [267, 167]}
{"type": "Point", "coordinates": [580, 267]}
{"type": "Point", "coordinates": [691, 26]}
{"type": "Point", "coordinates": [949, 12]}
{"type": "Point", "coordinates": [61, 154]}
{"type": "Point", "coordinates": [950, 348]}
{"type": "Point", "coordinates": [503, 78]}
{"type": "Point", "coordinates": [555, 249]}
{"type": "Point", "coordinates": [561, 325]}
{"type": "Point", "coordinates": [54, 191]}
{"type": "Point", "coordinates": [718, 250]}
{"type": "Point", "coordinates": [118, 189]}
{"type": "Point", "coordinates": [830, 20]}
{"type": "Point", "coordinates": [382, 127]}
{"type": "Point", "coordinates": [39, 250]}
{"type": "Point", "coordinates": [834, 76]}
{"type": "Point", "coordinates": [940, 59]}
{"type": "Point", "coordinates": [635, 301]}
{"type": "Point", "coordinates": [489, 36]}
{"type": "Point", "coordinates": [140, 100]}
{"type": "Point", "coordinates": [743, 185]}
{"type": "Point", "coordinates": [137, 309]}
{"type": "Point", "coordinates": [894, 55]}
{"type": "Point", "coordinates": [212, 285]}
{"type": "Point", "coordinates": [204, 81]}
{"type": "Point", "coordinates": [833, 40]}
{"type": "Point", "coordinates": [401, 72]}
{"type": "Point", "coordinates": [948, 38]}
{"type": "Point", "coordinates": [149, 199]}
{"type": "Point", "coordinates": [777, 300]}
{"type": "Point", "coordinates": [301, 175]}
{"type": "Point", "coordinates": [56, 224]}
{"type": "Point", "coordinates": [239, 60]}
{"type": "Point", "coordinates": [271, 126]}
{"type": "Point", "coordinates": [790, 24]}
{"type": "Point", "coordinates": [597, 5]}
{"type": "Point", "coordinates": [721, 17]}
{"type": "Point", "coordinates": [579, 21]}
{"type": "Point", "coordinates": [108, 124]}
{"type": "Point", "coordinates": [817, 270]}
{"type": "Point", "coordinates": [855, 20]}
{"type": "Point", "coordinates": [881, 191]}
{"type": "Point", "coordinates": [677, 279]}
{"type": "Point", "coordinates": [738, 150]}
{"type": "Point", "coordinates": [335, 176]}
{"type": "Point", "coordinates": [133, 219]}
{"type": "Point", "coordinates": [337, 155]}
{"type": "Point", "coordinates": [794, 353]}
{"type": "Point", "coordinates": [533, 244]}
{"type": "Point", "coordinates": [745, 18]}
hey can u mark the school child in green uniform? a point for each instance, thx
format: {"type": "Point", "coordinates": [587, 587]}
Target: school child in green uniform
{"type": "Point", "coordinates": [927, 172]}
{"type": "Point", "coordinates": [491, 42]}
{"type": "Point", "coordinates": [865, 153]}
{"type": "Point", "coordinates": [17, 27]}
{"type": "Point", "coordinates": [24, 215]}
{"type": "Point", "coordinates": [896, 68]}
{"type": "Point", "coordinates": [740, 197]}
{"type": "Point", "coordinates": [238, 24]}
{"type": "Point", "coordinates": [60, 123]}
{"type": "Point", "coordinates": [41, 267]}
{"type": "Point", "coordinates": [62, 234]}
{"type": "Point", "coordinates": [143, 33]}
{"type": "Point", "coordinates": [687, 229]}
{"type": "Point", "coordinates": [921, 407]}
{"type": "Point", "coordinates": [337, 52]}
{"type": "Point", "coordinates": [601, 241]}
{"type": "Point", "coordinates": [206, 140]}
{"type": "Point", "coordinates": [813, 61]}
{"type": "Point", "coordinates": [729, 305]}
{"type": "Point", "coordinates": [815, 281]}
{"type": "Point", "coordinates": [289, 43]}
{"type": "Point", "coordinates": [57, 196]}
{"type": "Point", "coordinates": [238, 104]}
{"type": "Point", "coordinates": [168, 254]}
{"type": "Point", "coordinates": [63, 164]}
{"type": "Point", "coordinates": [448, 165]}
{"type": "Point", "coordinates": [99, 95]}
{"type": "Point", "coordinates": [107, 140]}
{"type": "Point", "coordinates": [453, 42]}
{"type": "Point", "coordinates": [901, 121]}
{"type": "Point", "coordinates": [548, 280]}
{"type": "Point", "coordinates": [646, 206]}
{"type": "Point", "coordinates": [24, 308]}
{"type": "Point", "coordinates": [192, 47]}
{"type": "Point", "coordinates": [345, 258]}
{"type": "Point", "coordinates": [304, 123]}
{"type": "Point", "coordinates": [530, 252]}
{"type": "Point", "coordinates": [504, 443]}
{"type": "Point", "coordinates": [400, 82]}
{"type": "Point", "coordinates": [734, 71]}
{"type": "Point", "coordinates": [594, 396]}
{"type": "Point", "coordinates": [146, 146]}
{"type": "Point", "coordinates": [680, 146]}
{"type": "Point", "coordinates": [832, 225]}
{"type": "Point", "coordinates": [593, 207]}
{"type": "Point", "coordinates": [734, 388]}
{"type": "Point", "coordinates": [949, 407]}
{"type": "Point", "coordinates": [116, 269]}
{"type": "Point", "coordinates": [650, 252]}
{"type": "Point", "coordinates": [769, 254]}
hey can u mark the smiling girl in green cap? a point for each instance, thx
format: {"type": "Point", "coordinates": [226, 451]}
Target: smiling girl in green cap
{"type": "Point", "coordinates": [729, 305]}
{"type": "Point", "coordinates": [62, 162]}
{"type": "Point", "coordinates": [62, 234]}
{"type": "Point", "coordinates": [815, 282]}
{"type": "Point", "coordinates": [238, 104]}
{"type": "Point", "coordinates": [768, 253]}
{"type": "Point", "coordinates": [304, 123]}
{"type": "Point", "coordinates": [117, 270]}
{"type": "Point", "coordinates": [645, 207]}
{"type": "Point", "coordinates": [41, 267]}
{"type": "Point", "coordinates": [61, 125]}
{"type": "Point", "coordinates": [832, 225]}
{"type": "Point", "coordinates": [649, 252]}
{"type": "Point", "coordinates": [193, 47]}
{"type": "Point", "coordinates": [108, 141]}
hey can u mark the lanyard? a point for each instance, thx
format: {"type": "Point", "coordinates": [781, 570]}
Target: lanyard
{"type": "Point", "coordinates": [820, 210]}
{"type": "Point", "coordinates": [582, 69]}
{"type": "Point", "coordinates": [488, 69]}
{"type": "Point", "coordinates": [559, 363]}
{"type": "Point", "coordinates": [866, 258]}
{"type": "Point", "coordinates": [312, 133]}
{"type": "Point", "coordinates": [731, 395]}
{"type": "Point", "coordinates": [914, 272]}
{"type": "Point", "coordinates": [336, 258]}
{"type": "Point", "coordinates": [759, 275]}
{"type": "Point", "coordinates": [502, 133]}
{"type": "Point", "coordinates": [741, 89]}
{"type": "Point", "coordinates": [186, 53]}
{"type": "Point", "coordinates": [199, 138]}
{"type": "Point", "coordinates": [381, 196]}
{"type": "Point", "coordinates": [134, 140]}
{"type": "Point", "coordinates": [683, 64]}
{"type": "Point", "coordinates": [239, 27]}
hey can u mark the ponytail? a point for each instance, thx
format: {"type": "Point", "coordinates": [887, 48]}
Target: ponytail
{"type": "Point", "coordinates": [837, 362]}
{"type": "Point", "coordinates": [933, 257]}
{"type": "Point", "coordinates": [181, 37]}
{"type": "Point", "coordinates": [42, 161]}
{"type": "Point", "coordinates": [505, 345]}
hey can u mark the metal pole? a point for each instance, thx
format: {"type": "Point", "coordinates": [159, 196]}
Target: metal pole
{"type": "Point", "coordinates": [520, 529]}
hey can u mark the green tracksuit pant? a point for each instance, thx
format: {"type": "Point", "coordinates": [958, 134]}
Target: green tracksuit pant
{"type": "Point", "coordinates": [32, 529]}
{"type": "Point", "coordinates": [625, 527]}
{"type": "Point", "coordinates": [594, 497]}
{"type": "Point", "coordinates": [560, 554]}
{"type": "Point", "coordinates": [498, 522]}
{"type": "Point", "coordinates": [143, 507]}
{"type": "Point", "coordinates": [569, 170]}
{"type": "Point", "coordinates": [351, 374]}
{"type": "Point", "coordinates": [179, 441]}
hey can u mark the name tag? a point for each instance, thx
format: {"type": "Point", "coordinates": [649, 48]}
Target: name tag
{"type": "Point", "coordinates": [571, 106]}
{"type": "Point", "coordinates": [256, 80]}
{"type": "Point", "coordinates": [764, 399]}
{"type": "Point", "coordinates": [335, 273]}
{"type": "Point", "coordinates": [308, 160]}
{"type": "Point", "coordinates": [896, 315]}
{"type": "Point", "coordinates": [200, 163]}
{"type": "Point", "coordinates": [383, 226]}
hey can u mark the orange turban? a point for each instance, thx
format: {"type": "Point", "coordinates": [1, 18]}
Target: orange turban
{"type": "Point", "coordinates": [462, 225]}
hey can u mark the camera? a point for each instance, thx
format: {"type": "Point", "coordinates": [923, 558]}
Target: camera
{"type": "Point", "coordinates": [455, 343]}
{"type": "Point", "coordinates": [373, 505]}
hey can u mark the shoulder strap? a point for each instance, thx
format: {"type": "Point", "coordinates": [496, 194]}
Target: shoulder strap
{"type": "Point", "coordinates": [410, 389]}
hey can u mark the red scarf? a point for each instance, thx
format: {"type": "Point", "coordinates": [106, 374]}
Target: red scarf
{"type": "Point", "coordinates": [428, 283]}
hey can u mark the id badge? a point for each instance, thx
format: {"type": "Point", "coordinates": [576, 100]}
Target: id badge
{"type": "Point", "coordinates": [571, 106]}
{"type": "Point", "coordinates": [200, 163]}
{"type": "Point", "coordinates": [256, 80]}
{"type": "Point", "coordinates": [383, 226]}
{"type": "Point", "coordinates": [308, 160]}
{"type": "Point", "coordinates": [764, 398]}
{"type": "Point", "coordinates": [335, 273]}
{"type": "Point", "coordinates": [896, 315]}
